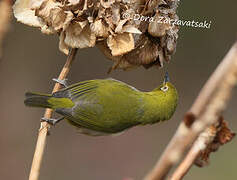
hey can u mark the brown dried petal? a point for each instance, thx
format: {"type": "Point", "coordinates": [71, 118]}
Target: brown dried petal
{"type": "Point", "coordinates": [131, 29]}
{"type": "Point", "coordinates": [73, 2]}
{"type": "Point", "coordinates": [76, 37]}
{"type": "Point", "coordinates": [161, 57]}
{"type": "Point", "coordinates": [62, 45]}
{"type": "Point", "coordinates": [107, 4]}
{"type": "Point", "coordinates": [158, 29]}
{"type": "Point", "coordinates": [36, 4]}
{"type": "Point", "coordinates": [223, 136]}
{"type": "Point", "coordinates": [119, 27]}
{"type": "Point", "coordinates": [44, 9]}
{"type": "Point", "coordinates": [119, 61]}
{"type": "Point", "coordinates": [23, 13]}
{"type": "Point", "coordinates": [120, 43]}
{"type": "Point", "coordinates": [53, 14]}
{"type": "Point", "coordinates": [115, 13]}
{"type": "Point", "coordinates": [99, 29]}
{"type": "Point", "coordinates": [60, 19]}
{"type": "Point", "coordinates": [146, 53]}
{"type": "Point", "coordinates": [47, 30]}
{"type": "Point", "coordinates": [171, 45]}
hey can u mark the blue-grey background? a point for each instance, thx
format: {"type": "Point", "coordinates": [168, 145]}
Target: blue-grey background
{"type": "Point", "coordinates": [32, 59]}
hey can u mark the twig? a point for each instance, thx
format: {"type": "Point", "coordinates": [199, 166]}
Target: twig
{"type": "Point", "coordinates": [5, 14]}
{"type": "Point", "coordinates": [203, 113]}
{"type": "Point", "coordinates": [204, 139]}
{"type": "Point", "coordinates": [44, 127]}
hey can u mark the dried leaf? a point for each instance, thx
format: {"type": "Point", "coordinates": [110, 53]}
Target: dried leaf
{"type": "Point", "coordinates": [73, 2]}
{"type": "Point", "coordinates": [119, 27]}
{"type": "Point", "coordinates": [116, 14]}
{"type": "Point", "coordinates": [99, 29]}
{"type": "Point", "coordinates": [223, 135]}
{"type": "Point", "coordinates": [62, 45]}
{"type": "Point", "coordinates": [107, 3]}
{"type": "Point", "coordinates": [131, 29]}
{"type": "Point", "coordinates": [78, 37]}
{"type": "Point", "coordinates": [23, 13]}
{"type": "Point", "coordinates": [121, 43]}
{"type": "Point", "coordinates": [158, 29]}
{"type": "Point", "coordinates": [52, 13]}
{"type": "Point", "coordinates": [118, 60]}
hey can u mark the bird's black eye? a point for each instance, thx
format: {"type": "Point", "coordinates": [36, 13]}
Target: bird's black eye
{"type": "Point", "coordinates": [164, 88]}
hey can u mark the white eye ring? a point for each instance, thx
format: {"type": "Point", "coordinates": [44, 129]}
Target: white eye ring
{"type": "Point", "coordinates": [165, 88]}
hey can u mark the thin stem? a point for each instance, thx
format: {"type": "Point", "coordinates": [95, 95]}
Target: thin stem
{"type": "Point", "coordinates": [186, 165]}
{"type": "Point", "coordinates": [206, 109]}
{"type": "Point", "coordinates": [44, 126]}
{"type": "Point", "coordinates": [204, 139]}
{"type": "Point", "coordinates": [6, 15]}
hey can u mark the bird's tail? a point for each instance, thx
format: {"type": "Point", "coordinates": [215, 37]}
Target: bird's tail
{"type": "Point", "coordinates": [38, 100]}
{"type": "Point", "coordinates": [47, 101]}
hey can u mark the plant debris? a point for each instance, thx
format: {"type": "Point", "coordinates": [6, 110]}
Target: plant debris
{"type": "Point", "coordinates": [128, 32]}
{"type": "Point", "coordinates": [222, 135]}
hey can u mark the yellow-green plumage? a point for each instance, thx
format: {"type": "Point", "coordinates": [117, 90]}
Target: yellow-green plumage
{"type": "Point", "coordinates": [108, 106]}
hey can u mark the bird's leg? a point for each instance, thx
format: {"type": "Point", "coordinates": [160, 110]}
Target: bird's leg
{"type": "Point", "coordinates": [52, 121]}
{"type": "Point", "coordinates": [63, 82]}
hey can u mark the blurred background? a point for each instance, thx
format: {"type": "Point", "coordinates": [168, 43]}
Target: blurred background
{"type": "Point", "coordinates": [32, 59]}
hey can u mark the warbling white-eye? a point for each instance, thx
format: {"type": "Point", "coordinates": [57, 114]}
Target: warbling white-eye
{"type": "Point", "coordinates": [108, 106]}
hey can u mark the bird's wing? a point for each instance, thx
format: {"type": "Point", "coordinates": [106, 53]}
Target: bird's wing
{"type": "Point", "coordinates": [76, 90]}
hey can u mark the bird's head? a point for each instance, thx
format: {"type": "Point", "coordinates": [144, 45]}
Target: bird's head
{"type": "Point", "coordinates": [166, 97]}
{"type": "Point", "coordinates": [166, 88]}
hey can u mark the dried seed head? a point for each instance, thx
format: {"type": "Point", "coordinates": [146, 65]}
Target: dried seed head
{"type": "Point", "coordinates": [129, 32]}
{"type": "Point", "coordinates": [222, 134]}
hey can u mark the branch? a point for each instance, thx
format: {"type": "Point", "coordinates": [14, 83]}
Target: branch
{"type": "Point", "coordinates": [205, 111]}
{"type": "Point", "coordinates": [44, 126]}
{"type": "Point", "coordinates": [204, 139]}
{"type": "Point", "coordinates": [6, 15]}
{"type": "Point", "coordinates": [208, 141]}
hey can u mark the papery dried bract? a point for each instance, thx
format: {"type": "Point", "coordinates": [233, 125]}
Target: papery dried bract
{"type": "Point", "coordinates": [53, 14]}
{"type": "Point", "coordinates": [157, 29]}
{"type": "Point", "coordinates": [79, 37]}
{"type": "Point", "coordinates": [24, 14]}
{"type": "Point", "coordinates": [120, 44]}
{"type": "Point", "coordinates": [223, 135]}
{"type": "Point", "coordinates": [100, 29]}
{"type": "Point", "coordinates": [62, 45]}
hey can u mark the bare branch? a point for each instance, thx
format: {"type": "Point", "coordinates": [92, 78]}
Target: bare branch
{"type": "Point", "coordinates": [201, 143]}
{"type": "Point", "coordinates": [6, 15]}
{"type": "Point", "coordinates": [43, 131]}
{"type": "Point", "coordinates": [205, 111]}
{"type": "Point", "coordinates": [208, 141]}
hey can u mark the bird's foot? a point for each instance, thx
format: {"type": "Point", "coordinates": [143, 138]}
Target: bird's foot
{"type": "Point", "coordinates": [52, 121]}
{"type": "Point", "coordinates": [63, 82]}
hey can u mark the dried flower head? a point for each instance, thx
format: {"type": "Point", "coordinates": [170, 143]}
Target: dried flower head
{"type": "Point", "coordinates": [129, 32]}
{"type": "Point", "coordinates": [222, 134]}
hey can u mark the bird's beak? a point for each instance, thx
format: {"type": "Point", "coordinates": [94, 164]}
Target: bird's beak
{"type": "Point", "coordinates": [167, 78]}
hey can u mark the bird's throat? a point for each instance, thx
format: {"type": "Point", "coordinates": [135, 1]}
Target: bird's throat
{"type": "Point", "coordinates": [158, 108]}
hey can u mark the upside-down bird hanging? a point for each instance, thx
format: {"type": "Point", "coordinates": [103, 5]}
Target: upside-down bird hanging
{"type": "Point", "coordinates": [107, 106]}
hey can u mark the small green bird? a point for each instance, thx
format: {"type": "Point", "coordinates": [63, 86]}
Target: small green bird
{"type": "Point", "coordinates": [107, 106]}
